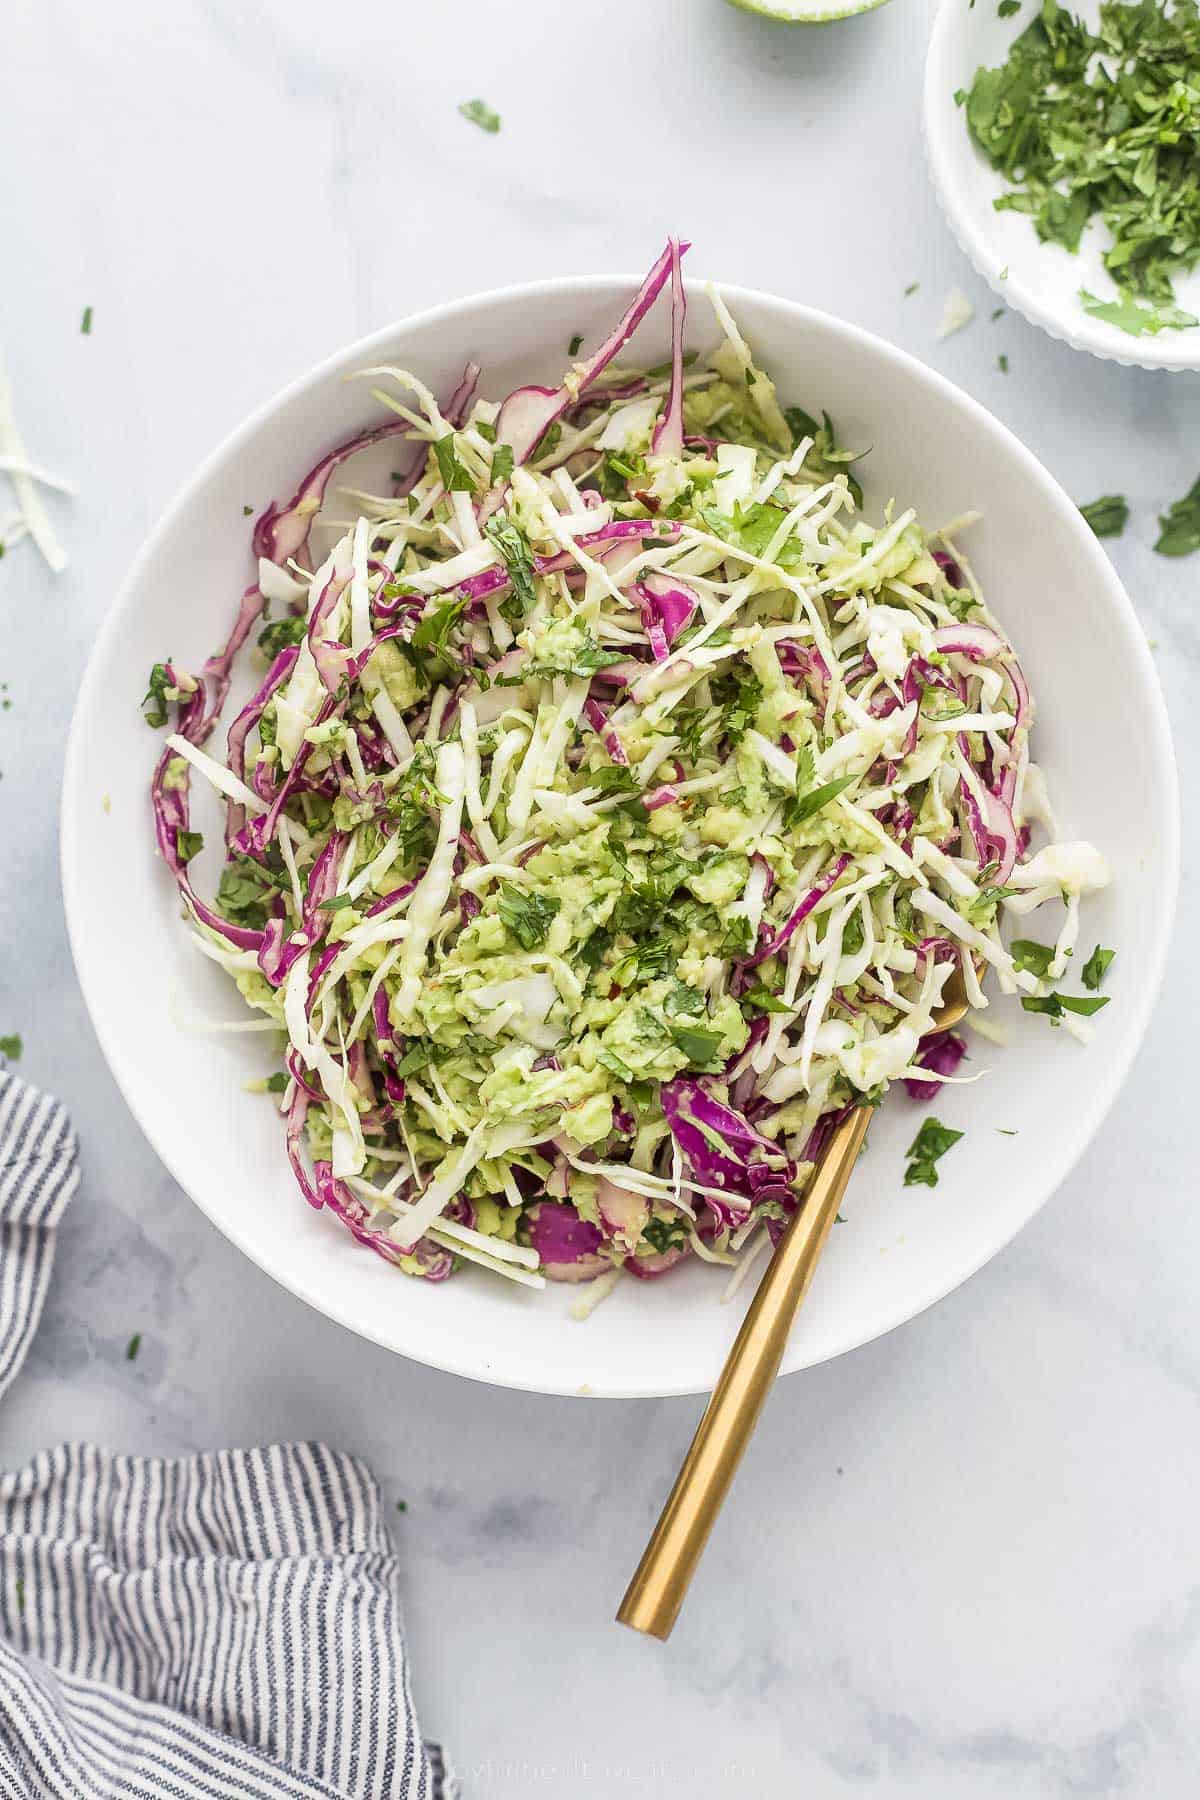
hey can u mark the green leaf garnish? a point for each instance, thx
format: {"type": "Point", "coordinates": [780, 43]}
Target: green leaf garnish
{"type": "Point", "coordinates": [683, 1001]}
{"type": "Point", "coordinates": [1057, 1004]}
{"type": "Point", "coordinates": [1107, 516]}
{"type": "Point", "coordinates": [454, 477]}
{"type": "Point", "coordinates": [513, 546]}
{"type": "Point", "coordinates": [697, 1044]}
{"type": "Point", "coordinates": [760, 999]}
{"type": "Point", "coordinates": [280, 634]}
{"type": "Point", "coordinates": [1137, 321]}
{"type": "Point", "coordinates": [1179, 526]}
{"type": "Point", "coordinates": [154, 706]}
{"type": "Point", "coordinates": [481, 114]}
{"type": "Point", "coordinates": [805, 806]}
{"type": "Point", "coordinates": [528, 916]}
{"type": "Point", "coordinates": [245, 891]}
{"type": "Point", "coordinates": [1096, 967]}
{"type": "Point", "coordinates": [926, 1151]}
{"type": "Point", "coordinates": [502, 463]}
{"type": "Point", "coordinates": [11, 1046]}
{"type": "Point", "coordinates": [1028, 954]}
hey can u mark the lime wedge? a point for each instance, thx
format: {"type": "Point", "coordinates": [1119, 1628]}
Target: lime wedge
{"type": "Point", "coordinates": [806, 12]}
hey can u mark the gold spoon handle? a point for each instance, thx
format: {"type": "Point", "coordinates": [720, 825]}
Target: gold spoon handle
{"type": "Point", "coordinates": [656, 1593]}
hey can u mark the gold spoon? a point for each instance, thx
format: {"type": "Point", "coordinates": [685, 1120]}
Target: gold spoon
{"type": "Point", "coordinates": [656, 1593]}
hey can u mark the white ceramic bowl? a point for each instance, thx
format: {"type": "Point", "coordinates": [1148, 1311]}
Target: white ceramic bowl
{"type": "Point", "coordinates": [1043, 280]}
{"type": "Point", "coordinates": [1103, 739]}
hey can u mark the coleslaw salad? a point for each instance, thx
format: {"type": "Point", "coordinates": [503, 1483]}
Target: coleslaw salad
{"type": "Point", "coordinates": [614, 805]}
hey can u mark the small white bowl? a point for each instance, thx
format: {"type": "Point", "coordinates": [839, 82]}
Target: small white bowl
{"type": "Point", "coordinates": [1041, 281]}
{"type": "Point", "coordinates": [1102, 737]}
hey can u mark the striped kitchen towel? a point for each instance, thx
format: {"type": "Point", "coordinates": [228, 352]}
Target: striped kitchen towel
{"type": "Point", "coordinates": [216, 1627]}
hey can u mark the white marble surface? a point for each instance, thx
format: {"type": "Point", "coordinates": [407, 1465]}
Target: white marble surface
{"type": "Point", "coordinates": [961, 1563]}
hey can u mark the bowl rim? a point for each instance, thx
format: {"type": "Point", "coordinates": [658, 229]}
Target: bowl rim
{"type": "Point", "coordinates": [944, 159]}
{"type": "Point", "coordinates": [73, 863]}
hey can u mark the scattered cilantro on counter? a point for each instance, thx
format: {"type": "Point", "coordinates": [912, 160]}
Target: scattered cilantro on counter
{"type": "Point", "coordinates": [481, 114]}
{"type": "Point", "coordinates": [1107, 516]}
{"type": "Point", "coordinates": [1179, 526]}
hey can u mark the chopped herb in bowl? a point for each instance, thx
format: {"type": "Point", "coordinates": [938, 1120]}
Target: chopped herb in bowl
{"type": "Point", "coordinates": [1104, 125]}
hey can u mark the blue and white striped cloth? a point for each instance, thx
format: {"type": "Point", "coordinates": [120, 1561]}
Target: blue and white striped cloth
{"type": "Point", "coordinates": [218, 1627]}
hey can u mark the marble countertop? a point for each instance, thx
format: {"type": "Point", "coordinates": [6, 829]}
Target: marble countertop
{"type": "Point", "coordinates": [960, 1563]}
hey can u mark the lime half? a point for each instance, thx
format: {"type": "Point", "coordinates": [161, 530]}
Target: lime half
{"type": "Point", "coordinates": [806, 12]}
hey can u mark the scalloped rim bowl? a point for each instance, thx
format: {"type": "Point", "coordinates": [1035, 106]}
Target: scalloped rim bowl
{"type": "Point", "coordinates": [1043, 280]}
{"type": "Point", "coordinates": [901, 1248]}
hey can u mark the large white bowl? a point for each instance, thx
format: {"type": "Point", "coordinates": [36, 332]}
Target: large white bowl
{"type": "Point", "coordinates": [1042, 281]}
{"type": "Point", "coordinates": [1103, 738]}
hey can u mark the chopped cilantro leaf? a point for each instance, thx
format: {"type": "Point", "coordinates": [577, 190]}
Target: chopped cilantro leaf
{"type": "Point", "coordinates": [280, 635]}
{"type": "Point", "coordinates": [608, 1059]}
{"type": "Point", "coordinates": [528, 916]}
{"type": "Point", "coordinates": [11, 1046]}
{"type": "Point", "coordinates": [455, 478]}
{"type": "Point", "coordinates": [418, 1056]}
{"type": "Point", "coordinates": [698, 1045]}
{"type": "Point", "coordinates": [502, 463]}
{"type": "Point", "coordinates": [1179, 526]}
{"type": "Point", "coordinates": [576, 343]}
{"type": "Point", "coordinates": [683, 1001]}
{"type": "Point", "coordinates": [154, 706]}
{"type": "Point", "coordinates": [760, 999]}
{"type": "Point", "coordinates": [188, 844]}
{"type": "Point", "coordinates": [1028, 954]}
{"type": "Point", "coordinates": [244, 892]}
{"type": "Point", "coordinates": [1096, 967]}
{"type": "Point", "coordinates": [664, 1234]}
{"type": "Point", "coordinates": [925, 1152]}
{"type": "Point", "coordinates": [805, 806]}
{"type": "Point", "coordinates": [513, 546]}
{"type": "Point", "coordinates": [1107, 516]}
{"type": "Point", "coordinates": [133, 1346]}
{"type": "Point", "coordinates": [481, 114]}
{"type": "Point", "coordinates": [547, 444]}
{"type": "Point", "coordinates": [1137, 321]}
{"type": "Point", "coordinates": [1057, 1004]}
{"type": "Point", "coordinates": [434, 627]}
{"type": "Point", "coordinates": [85, 324]}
